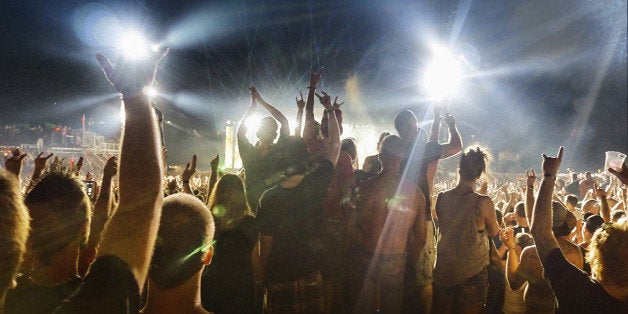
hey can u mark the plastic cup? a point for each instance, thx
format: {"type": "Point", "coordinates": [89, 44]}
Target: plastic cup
{"type": "Point", "coordinates": [614, 160]}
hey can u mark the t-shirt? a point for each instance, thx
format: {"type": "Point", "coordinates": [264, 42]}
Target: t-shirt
{"type": "Point", "coordinates": [227, 285]}
{"type": "Point", "coordinates": [575, 291]}
{"type": "Point", "coordinates": [289, 215]}
{"type": "Point", "coordinates": [29, 297]}
{"type": "Point", "coordinates": [258, 168]}
{"type": "Point", "coordinates": [573, 188]}
{"type": "Point", "coordinates": [109, 287]}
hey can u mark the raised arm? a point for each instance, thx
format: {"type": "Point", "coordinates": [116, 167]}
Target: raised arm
{"type": "Point", "coordinates": [309, 105]}
{"type": "Point", "coordinates": [40, 165]}
{"type": "Point", "coordinates": [529, 201]}
{"type": "Point", "coordinates": [242, 128]}
{"type": "Point", "coordinates": [300, 106]}
{"type": "Point", "coordinates": [132, 231]}
{"type": "Point", "coordinates": [213, 177]}
{"type": "Point", "coordinates": [605, 210]}
{"type": "Point", "coordinates": [454, 145]}
{"type": "Point", "coordinates": [332, 142]}
{"type": "Point", "coordinates": [13, 164]}
{"type": "Point", "coordinates": [541, 224]}
{"type": "Point", "coordinates": [435, 127]}
{"type": "Point", "coordinates": [103, 211]}
{"type": "Point", "coordinates": [513, 278]}
{"type": "Point", "coordinates": [284, 130]}
{"type": "Point", "coordinates": [186, 175]}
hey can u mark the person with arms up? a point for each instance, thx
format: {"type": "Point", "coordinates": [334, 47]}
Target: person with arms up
{"type": "Point", "coordinates": [114, 281]}
{"type": "Point", "coordinates": [576, 292]}
{"type": "Point", "coordinates": [256, 159]}
{"type": "Point", "coordinates": [289, 223]}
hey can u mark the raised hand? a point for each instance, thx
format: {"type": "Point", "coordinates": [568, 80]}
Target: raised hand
{"type": "Point", "coordinates": [600, 192]}
{"type": "Point", "coordinates": [621, 175]}
{"type": "Point", "coordinates": [507, 236]}
{"type": "Point", "coordinates": [76, 170]}
{"type": "Point", "coordinates": [130, 76]}
{"type": "Point", "coordinates": [254, 96]}
{"type": "Point", "coordinates": [336, 104]}
{"type": "Point", "coordinates": [531, 177]}
{"type": "Point", "coordinates": [552, 164]}
{"type": "Point", "coordinates": [325, 100]}
{"type": "Point", "coordinates": [300, 102]}
{"type": "Point", "coordinates": [315, 77]}
{"type": "Point", "coordinates": [214, 162]}
{"type": "Point", "coordinates": [13, 164]}
{"type": "Point", "coordinates": [190, 169]}
{"type": "Point", "coordinates": [40, 162]}
{"type": "Point", "coordinates": [111, 167]}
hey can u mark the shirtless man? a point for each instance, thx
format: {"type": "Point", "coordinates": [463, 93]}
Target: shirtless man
{"type": "Point", "coordinates": [389, 212]}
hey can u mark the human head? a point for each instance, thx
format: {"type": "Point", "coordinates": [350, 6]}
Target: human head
{"type": "Point", "coordinates": [380, 140]}
{"type": "Point", "coordinates": [574, 176]}
{"type": "Point", "coordinates": [313, 131]}
{"type": "Point", "coordinates": [571, 201]}
{"type": "Point", "coordinates": [591, 225]}
{"type": "Point", "coordinates": [523, 240]}
{"type": "Point", "coordinates": [228, 201]}
{"type": "Point", "coordinates": [186, 230]}
{"type": "Point", "coordinates": [587, 175]}
{"type": "Point", "coordinates": [392, 150]}
{"type": "Point", "coordinates": [348, 146]}
{"type": "Point", "coordinates": [473, 163]}
{"type": "Point", "coordinates": [267, 130]}
{"type": "Point", "coordinates": [14, 228]}
{"type": "Point", "coordinates": [607, 255]}
{"type": "Point", "coordinates": [520, 214]}
{"type": "Point", "coordinates": [617, 214]}
{"type": "Point", "coordinates": [406, 124]}
{"type": "Point", "coordinates": [591, 206]}
{"type": "Point", "coordinates": [60, 211]}
{"type": "Point", "coordinates": [563, 221]}
{"type": "Point", "coordinates": [291, 154]}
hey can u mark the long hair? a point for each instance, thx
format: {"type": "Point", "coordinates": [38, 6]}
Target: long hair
{"type": "Point", "coordinates": [228, 202]}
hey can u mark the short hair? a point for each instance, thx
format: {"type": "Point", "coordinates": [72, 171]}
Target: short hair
{"type": "Point", "coordinates": [608, 253]}
{"type": "Point", "coordinates": [291, 155]}
{"type": "Point", "coordinates": [520, 209]}
{"type": "Point", "coordinates": [185, 229]}
{"type": "Point", "coordinates": [403, 119]}
{"type": "Point", "coordinates": [617, 215]}
{"type": "Point", "coordinates": [571, 200]}
{"type": "Point", "coordinates": [14, 228]}
{"type": "Point", "coordinates": [523, 240]}
{"type": "Point", "coordinates": [474, 162]}
{"type": "Point", "coordinates": [392, 145]}
{"type": "Point", "coordinates": [59, 208]}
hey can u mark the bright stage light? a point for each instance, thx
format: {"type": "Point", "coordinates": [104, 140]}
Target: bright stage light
{"type": "Point", "coordinates": [443, 75]}
{"type": "Point", "coordinates": [254, 121]}
{"type": "Point", "coordinates": [150, 91]}
{"type": "Point", "coordinates": [134, 46]}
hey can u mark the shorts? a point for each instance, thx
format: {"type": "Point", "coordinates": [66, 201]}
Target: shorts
{"type": "Point", "coordinates": [427, 258]}
{"type": "Point", "coordinates": [304, 295]}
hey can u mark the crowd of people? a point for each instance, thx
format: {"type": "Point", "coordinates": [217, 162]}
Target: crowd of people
{"type": "Point", "coordinates": [302, 229]}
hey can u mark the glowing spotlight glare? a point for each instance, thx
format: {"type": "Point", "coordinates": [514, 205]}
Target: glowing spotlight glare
{"type": "Point", "coordinates": [253, 122]}
{"type": "Point", "coordinates": [134, 46]}
{"type": "Point", "coordinates": [150, 91]}
{"type": "Point", "coordinates": [443, 75]}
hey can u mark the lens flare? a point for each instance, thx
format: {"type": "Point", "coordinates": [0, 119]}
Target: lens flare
{"type": "Point", "coordinates": [133, 45]}
{"type": "Point", "coordinates": [443, 75]}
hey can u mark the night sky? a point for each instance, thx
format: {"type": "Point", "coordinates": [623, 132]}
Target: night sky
{"type": "Point", "coordinates": [541, 73]}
